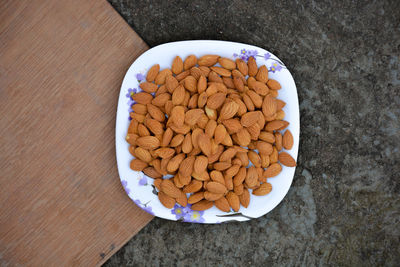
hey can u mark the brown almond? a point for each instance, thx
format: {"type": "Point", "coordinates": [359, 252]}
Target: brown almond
{"type": "Point", "coordinates": [245, 198]}
{"type": "Point", "coordinates": [273, 158]}
{"type": "Point", "coordinates": [220, 133]}
{"type": "Point", "coordinates": [155, 126]}
{"type": "Point", "coordinates": [255, 98]}
{"type": "Point", "coordinates": [252, 66]}
{"type": "Point", "coordinates": [166, 200]}
{"type": "Point", "coordinates": [208, 60]}
{"type": "Point", "coordinates": [148, 142]}
{"type": "Point", "coordinates": [232, 171]}
{"type": "Point", "coordinates": [148, 87]}
{"type": "Point", "coordinates": [201, 84]}
{"type": "Point", "coordinates": [242, 67]}
{"type": "Point", "coordinates": [202, 205]}
{"type": "Point", "coordinates": [195, 136]}
{"type": "Point", "coordinates": [186, 166]}
{"type": "Point", "coordinates": [174, 163]}
{"type": "Point", "coordinates": [228, 154]}
{"type": "Point", "coordinates": [193, 187]}
{"type": "Point", "coordinates": [240, 176]}
{"type": "Point", "coordinates": [243, 137]}
{"type": "Point", "coordinates": [248, 102]}
{"type": "Point", "coordinates": [267, 136]}
{"type": "Point", "coordinates": [182, 199]}
{"type": "Point", "coordinates": [211, 196]}
{"type": "Point", "coordinates": [190, 84]}
{"type": "Point", "coordinates": [238, 189]}
{"type": "Point", "coordinates": [254, 158]}
{"type": "Point", "coordinates": [162, 75]}
{"type": "Point", "coordinates": [233, 201]}
{"type": "Point", "coordinates": [152, 73]}
{"type": "Point", "coordinates": [210, 128]}
{"type": "Point", "coordinates": [178, 96]}
{"type": "Point", "coordinates": [143, 154]}
{"type": "Point", "coordinates": [155, 112]}
{"type": "Point", "coordinates": [138, 165]}
{"type": "Point", "coordinates": [196, 197]}
{"type": "Point", "coordinates": [254, 131]}
{"type": "Point", "coordinates": [169, 188]}
{"type": "Point", "coordinates": [202, 121]}
{"type": "Point", "coordinates": [182, 75]}
{"type": "Point", "coordinates": [217, 176]}
{"type": "Point", "coordinates": [171, 83]}
{"type": "Point", "coordinates": [269, 106]}
{"type": "Point", "coordinates": [131, 138]}
{"type": "Point", "coordinates": [227, 63]}
{"type": "Point", "coordinates": [228, 82]}
{"type": "Point", "coordinates": [227, 140]}
{"type": "Point", "coordinates": [264, 147]}
{"type": "Point", "coordinates": [228, 182]}
{"type": "Point", "coordinates": [165, 152]}
{"type": "Point", "coordinates": [160, 100]}
{"type": "Point", "coordinates": [202, 100]}
{"type": "Point", "coordinates": [205, 70]}
{"type": "Point", "coordinates": [251, 177]}
{"type": "Point", "coordinates": [177, 140]}
{"type": "Point", "coordinates": [190, 62]}
{"type": "Point", "coordinates": [221, 71]}
{"type": "Point", "coordinates": [204, 143]}
{"type": "Point", "coordinates": [287, 140]}
{"type": "Point", "coordinates": [214, 77]}
{"type": "Point", "coordinates": [249, 119]}
{"type": "Point", "coordinates": [228, 110]}
{"type": "Point", "coordinates": [139, 108]}
{"type": "Point", "coordinates": [286, 159]}
{"type": "Point", "coordinates": [142, 98]}
{"type": "Point", "coordinates": [177, 65]}
{"type": "Point", "coordinates": [278, 141]}
{"type": "Point", "coordinates": [280, 115]}
{"type": "Point", "coordinates": [178, 115]}
{"type": "Point", "coordinates": [273, 84]}
{"type": "Point", "coordinates": [259, 87]}
{"type": "Point", "coordinates": [222, 204]}
{"type": "Point", "coordinates": [220, 166]}
{"type": "Point", "coordinates": [273, 170]}
{"type": "Point", "coordinates": [200, 164]}
{"type": "Point", "coordinates": [239, 85]}
{"type": "Point", "coordinates": [243, 157]}
{"type": "Point", "coordinates": [263, 190]}
{"type": "Point", "coordinates": [204, 176]}
{"type": "Point", "coordinates": [192, 116]}
{"type": "Point", "coordinates": [280, 104]}
{"type": "Point", "coordinates": [216, 100]}
{"type": "Point", "coordinates": [274, 125]}
{"type": "Point", "coordinates": [262, 74]}
{"type": "Point", "coordinates": [187, 144]}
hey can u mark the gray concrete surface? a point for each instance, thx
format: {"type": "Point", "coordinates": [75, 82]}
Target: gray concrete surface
{"type": "Point", "coordinates": [343, 207]}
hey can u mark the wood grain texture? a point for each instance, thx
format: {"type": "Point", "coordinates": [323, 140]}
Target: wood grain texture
{"type": "Point", "coordinates": [61, 67]}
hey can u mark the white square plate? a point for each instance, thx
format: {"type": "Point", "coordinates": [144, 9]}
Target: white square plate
{"type": "Point", "coordinates": [140, 188]}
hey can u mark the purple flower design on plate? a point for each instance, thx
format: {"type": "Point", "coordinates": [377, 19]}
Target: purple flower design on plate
{"type": "Point", "coordinates": [144, 207]}
{"type": "Point", "coordinates": [195, 217]}
{"type": "Point", "coordinates": [267, 56]}
{"type": "Point", "coordinates": [143, 181]}
{"type": "Point", "coordinates": [179, 211]}
{"type": "Point", "coordinates": [130, 93]}
{"type": "Point", "coordinates": [275, 67]}
{"type": "Point", "coordinates": [140, 77]}
{"type": "Point", "coordinates": [125, 185]}
{"type": "Point", "coordinates": [148, 210]}
{"type": "Point", "coordinates": [246, 54]}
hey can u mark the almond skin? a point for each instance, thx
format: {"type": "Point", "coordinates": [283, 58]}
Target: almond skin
{"type": "Point", "coordinates": [174, 163]}
{"type": "Point", "coordinates": [286, 159]}
{"type": "Point", "coordinates": [210, 196]}
{"type": "Point", "coordinates": [252, 67]}
{"type": "Point", "coordinates": [166, 200]}
{"type": "Point", "coordinates": [222, 204]}
{"type": "Point", "coordinates": [227, 63]}
{"type": "Point", "coordinates": [216, 100]}
{"type": "Point", "coordinates": [138, 165]}
{"type": "Point", "coordinates": [208, 60]}
{"type": "Point", "coordinates": [242, 66]}
{"type": "Point", "coordinates": [273, 84]}
{"type": "Point", "coordinates": [148, 87]}
{"type": "Point", "coordinates": [148, 142]}
{"type": "Point", "coordinates": [245, 198]}
{"type": "Point", "coordinates": [200, 164]}
{"type": "Point", "coordinates": [152, 73]}
{"type": "Point", "coordinates": [240, 176]}
{"type": "Point", "coordinates": [269, 106]}
{"type": "Point", "coordinates": [202, 205]}
{"type": "Point", "coordinates": [204, 143]}
{"type": "Point", "coordinates": [182, 199]}
{"type": "Point", "coordinates": [177, 65]}
{"type": "Point", "coordinates": [263, 190]}
{"type": "Point", "coordinates": [274, 125]}
{"type": "Point", "coordinates": [162, 75]}
{"type": "Point", "coordinates": [193, 187]}
{"type": "Point", "coordinates": [186, 166]}
{"type": "Point", "coordinates": [217, 176]}
{"type": "Point", "coordinates": [249, 119]}
{"type": "Point", "coordinates": [228, 110]}
{"type": "Point", "coordinates": [262, 74]}
{"type": "Point", "coordinates": [190, 62]}
{"type": "Point", "coordinates": [142, 98]}
{"type": "Point", "coordinates": [196, 197]}
{"type": "Point", "coordinates": [287, 140]}
{"type": "Point", "coordinates": [278, 141]}
{"type": "Point", "coordinates": [233, 201]}
{"type": "Point", "coordinates": [169, 188]}
{"type": "Point", "coordinates": [251, 176]}
{"type": "Point", "coordinates": [221, 71]}
{"type": "Point", "coordinates": [178, 96]}
{"type": "Point", "coordinates": [219, 133]}
{"type": "Point", "coordinates": [273, 170]}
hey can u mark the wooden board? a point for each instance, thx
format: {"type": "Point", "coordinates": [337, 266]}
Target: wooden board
{"type": "Point", "coordinates": [61, 67]}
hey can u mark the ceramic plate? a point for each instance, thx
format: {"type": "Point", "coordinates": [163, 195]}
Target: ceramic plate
{"type": "Point", "coordinates": [140, 188]}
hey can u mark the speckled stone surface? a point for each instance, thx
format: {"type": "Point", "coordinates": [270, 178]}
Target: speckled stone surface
{"type": "Point", "coordinates": [344, 205]}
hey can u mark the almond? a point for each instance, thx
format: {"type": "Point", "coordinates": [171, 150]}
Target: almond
{"type": "Point", "coordinates": [273, 158]}
{"type": "Point", "coordinates": [240, 176]}
{"type": "Point", "coordinates": [169, 188]}
{"type": "Point", "coordinates": [259, 87]}
{"type": "Point", "coordinates": [148, 87]}
{"type": "Point", "coordinates": [222, 204]}
{"type": "Point", "coordinates": [227, 63]}
{"type": "Point", "coordinates": [252, 66]}
{"type": "Point", "coordinates": [216, 100]}
{"type": "Point", "coordinates": [187, 144]}
{"type": "Point", "coordinates": [152, 73]}
{"type": "Point", "coordinates": [228, 110]}
{"type": "Point", "coordinates": [242, 66]}
{"type": "Point", "coordinates": [202, 100]}
{"type": "Point", "coordinates": [286, 159]}
{"type": "Point", "coordinates": [178, 96]}
{"type": "Point", "coordinates": [249, 119]}
{"type": "Point", "coordinates": [138, 165]}
{"type": "Point", "coordinates": [264, 147]}
{"type": "Point", "coordinates": [233, 201]}
{"type": "Point", "coordinates": [186, 166]}
{"type": "Point", "coordinates": [200, 164]}
{"type": "Point", "coordinates": [204, 176]}
{"type": "Point", "coordinates": [228, 182]}
{"type": "Point", "coordinates": [190, 84]}
{"type": "Point", "coordinates": [232, 171]}
{"type": "Point", "coordinates": [148, 142]}
{"type": "Point", "coordinates": [192, 116]}
{"type": "Point", "coordinates": [263, 190]}
{"type": "Point", "coordinates": [269, 106]}
{"type": "Point", "coordinates": [228, 154]}
{"type": "Point", "coordinates": [278, 141]}
{"type": "Point", "coordinates": [254, 158]}
{"type": "Point", "coordinates": [182, 199]}
{"type": "Point", "coordinates": [227, 140]}
{"type": "Point", "coordinates": [142, 98]}
{"type": "Point", "coordinates": [177, 181]}
{"type": "Point", "coordinates": [274, 125]}
{"type": "Point", "coordinates": [208, 60]}
{"type": "Point", "coordinates": [220, 133]}
{"type": "Point", "coordinates": [171, 83]}
{"type": "Point", "coordinates": [273, 170]}
{"type": "Point", "coordinates": [178, 115]}
{"type": "Point", "coordinates": [243, 157]}
{"type": "Point", "coordinates": [196, 197]}
{"type": "Point", "coordinates": [210, 196]}
{"type": "Point", "coordinates": [210, 128]}
{"type": "Point", "coordinates": [266, 136]}
{"type": "Point", "coordinates": [214, 77]}
{"type": "Point", "coordinates": [287, 140]}
{"type": "Point", "coordinates": [177, 140]}
{"type": "Point", "coordinates": [211, 113]}
{"type": "Point", "coordinates": [177, 65]}
{"type": "Point", "coordinates": [220, 166]}
{"type": "Point", "coordinates": [174, 163]}
{"type": "Point", "coordinates": [248, 102]}
{"type": "Point", "coordinates": [255, 98]}
{"type": "Point", "coordinates": [131, 139]}
{"type": "Point", "coordinates": [165, 152]}
{"type": "Point", "coordinates": [143, 154]}
{"type": "Point", "coordinates": [139, 108]}
{"type": "Point", "coordinates": [238, 82]}
{"type": "Point", "coordinates": [196, 73]}
{"type": "Point", "coordinates": [228, 82]}
{"type": "Point", "coordinates": [160, 100]}
{"type": "Point", "coordinates": [201, 84]}
{"type": "Point", "coordinates": [195, 136]}
{"type": "Point", "coordinates": [182, 75]}
{"type": "Point", "coordinates": [254, 131]}
{"type": "Point", "coordinates": [217, 176]}
{"type": "Point", "coordinates": [280, 115]}
{"type": "Point", "coordinates": [221, 71]}
{"type": "Point", "coordinates": [154, 126]}
{"type": "Point", "coordinates": [190, 62]}
{"type": "Point", "coordinates": [251, 177]}
{"type": "Point", "coordinates": [162, 75]}
{"type": "Point", "coordinates": [202, 205]}
{"type": "Point", "coordinates": [273, 84]}
{"type": "Point", "coordinates": [245, 198]}
{"type": "Point", "coordinates": [262, 74]}
{"type": "Point", "coordinates": [202, 121]}
{"type": "Point", "coordinates": [205, 70]}
{"type": "Point", "coordinates": [243, 137]}
{"type": "Point", "coordinates": [193, 187]}
{"type": "Point", "coordinates": [166, 200]}
{"type": "Point", "coordinates": [204, 143]}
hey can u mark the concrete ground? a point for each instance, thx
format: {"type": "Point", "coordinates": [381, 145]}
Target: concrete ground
{"type": "Point", "coordinates": [344, 205]}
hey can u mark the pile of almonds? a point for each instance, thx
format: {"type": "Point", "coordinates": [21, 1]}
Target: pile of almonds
{"type": "Point", "coordinates": [204, 125]}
